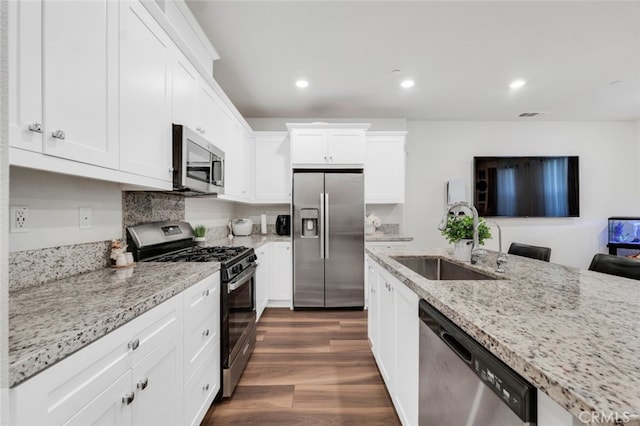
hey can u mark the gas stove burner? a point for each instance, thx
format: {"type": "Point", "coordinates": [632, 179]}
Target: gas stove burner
{"type": "Point", "coordinates": [204, 254]}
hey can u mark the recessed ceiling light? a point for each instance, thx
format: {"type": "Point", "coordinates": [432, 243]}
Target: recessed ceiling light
{"type": "Point", "coordinates": [516, 84]}
{"type": "Point", "coordinates": [302, 83]}
{"type": "Point", "coordinates": [407, 83]}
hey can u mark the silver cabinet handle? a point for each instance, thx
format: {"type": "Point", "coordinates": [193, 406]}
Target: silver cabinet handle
{"type": "Point", "coordinates": [171, 169]}
{"type": "Point", "coordinates": [142, 384]}
{"type": "Point", "coordinates": [205, 293]}
{"type": "Point", "coordinates": [35, 127]}
{"type": "Point", "coordinates": [133, 345]}
{"type": "Point", "coordinates": [128, 398]}
{"type": "Point", "coordinates": [199, 129]}
{"type": "Point", "coordinates": [58, 134]}
{"type": "Point", "coordinates": [204, 130]}
{"type": "Point", "coordinates": [205, 387]}
{"type": "Point", "coordinates": [330, 158]}
{"type": "Point", "coordinates": [205, 333]}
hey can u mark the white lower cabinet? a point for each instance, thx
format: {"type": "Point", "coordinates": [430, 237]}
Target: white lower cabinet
{"type": "Point", "coordinates": [202, 388]}
{"type": "Point", "coordinates": [136, 374]}
{"type": "Point", "coordinates": [394, 335]}
{"type": "Point", "coordinates": [158, 385]}
{"type": "Point", "coordinates": [262, 279]}
{"type": "Point", "coordinates": [107, 409]}
{"type": "Point", "coordinates": [280, 274]}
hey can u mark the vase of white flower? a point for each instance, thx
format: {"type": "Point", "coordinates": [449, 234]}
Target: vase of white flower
{"type": "Point", "coordinates": [371, 222]}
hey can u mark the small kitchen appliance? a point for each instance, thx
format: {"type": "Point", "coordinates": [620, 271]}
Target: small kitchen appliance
{"type": "Point", "coordinates": [242, 226]}
{"type": "Point", "coordinates": [198, 166]}
{"type": "Point", "coordinates": [172, 241]}
{"type": "Point", "coordinates": [283, 224]}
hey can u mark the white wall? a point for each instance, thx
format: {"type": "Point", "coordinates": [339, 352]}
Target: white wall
{"type": "Point", "coordinates": [609, 153]}
{"type": "Point", "coordinates": [209, 212]}
{"type": "Point", "coordinates": [53, 201]}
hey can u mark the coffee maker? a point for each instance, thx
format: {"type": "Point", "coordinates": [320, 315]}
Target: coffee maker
{"type": "Point", "coordinates": [283, 224]}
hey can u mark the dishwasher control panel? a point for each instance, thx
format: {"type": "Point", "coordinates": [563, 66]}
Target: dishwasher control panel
{"type": "Point", "coordinates": [496, 381]}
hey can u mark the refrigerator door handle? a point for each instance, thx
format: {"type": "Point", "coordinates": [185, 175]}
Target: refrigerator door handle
{"type": "Point", "coordinates": [321, 226]}
{"type": "Point", "coordinates": [326, 225]}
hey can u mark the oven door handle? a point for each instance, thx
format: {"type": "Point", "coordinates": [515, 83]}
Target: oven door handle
{"type": "Point", "coordinates": [240, 281]}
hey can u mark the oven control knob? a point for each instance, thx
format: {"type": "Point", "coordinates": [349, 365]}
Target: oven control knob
{"type": "Point", "coordinates": [239, 267]}
{"type": "Point", "coordinates": [253, 258]}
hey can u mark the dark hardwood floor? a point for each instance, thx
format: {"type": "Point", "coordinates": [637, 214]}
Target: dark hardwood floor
{"type": "Point", "coordinates": [309, 368]}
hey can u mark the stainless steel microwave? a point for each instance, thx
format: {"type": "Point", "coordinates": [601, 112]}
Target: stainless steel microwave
{"type": "Point", "coordinates": [198, 166]}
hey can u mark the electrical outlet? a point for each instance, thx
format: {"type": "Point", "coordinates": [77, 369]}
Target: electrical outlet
{"type": "Point", "coordinates": [19, 219]}
{"type": "Point", "coordinates": [84, 217]}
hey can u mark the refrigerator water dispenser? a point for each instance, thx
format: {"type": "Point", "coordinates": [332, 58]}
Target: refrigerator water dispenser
{"type": "Point", "coordinates": [309, 219]}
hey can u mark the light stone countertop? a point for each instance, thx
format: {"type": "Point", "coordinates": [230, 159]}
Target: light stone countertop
{"type": "Point", "coordinates": [572, 333]}
{"type": "Point", "coordinates": [379, 236]}
{"type": "Point", "coordinates": [51, 321]}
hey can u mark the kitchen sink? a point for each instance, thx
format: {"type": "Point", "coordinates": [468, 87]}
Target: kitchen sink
{"type": "Point", "coordinates": [435, 268]}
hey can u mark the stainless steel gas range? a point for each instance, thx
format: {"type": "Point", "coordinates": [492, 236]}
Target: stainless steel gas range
{"type": "Point", "coordinates": [172, 241]}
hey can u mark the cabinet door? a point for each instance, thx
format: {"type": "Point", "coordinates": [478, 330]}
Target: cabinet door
{"type": "Point", "coordinates": [209, 114]}
{"type": "Point", "coordinates": [406, 353]}
{"type": "Point", "coordinates": [145, 98]}
{"type": "Point", "coordinates": [280, 282]}
{"type": "Point", "coordinates": [25, 75]}
{"type": "Point", "coordinates": [384, 169]}
{"type": "Point", "coordinates": [373, 325]}
{"type": "Point", "coordinates": [108, 408]}
{"type": "Point", "coordinates": [158, 383]}
{"type": "Point", "coordinates": [80, 80]}
{"type": "Point", "coordinates": [345, 146]}
{"type": "Point", "coordinates": [201, 333]}
{"type": "Point", "coordinates": [387, 341]}
{"type": "Point", "coordinates": [238, 166]}
{"type": "Point", "coordinates": [309, 146]}
{"type": "Point", "coordinates": [262, 279]}
{"type": "Point", "coordinates": [273, 168]}
{"type": "Point", "coordinates": [200, 390]}
{"type": "Point", "coordinates": [184, 90]}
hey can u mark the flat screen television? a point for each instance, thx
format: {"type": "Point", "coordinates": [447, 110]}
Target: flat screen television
{"type": "Point", "coordinates": [526, 186]}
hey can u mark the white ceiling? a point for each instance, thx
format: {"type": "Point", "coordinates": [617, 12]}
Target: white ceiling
{"type": "Point", "coordinates": [461, 54]}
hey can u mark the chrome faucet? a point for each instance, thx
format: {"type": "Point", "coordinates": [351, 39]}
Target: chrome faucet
{"type": "Point", "coordinates": [475, 248]}
{"type": "Point", "coordinates": [502, 257]}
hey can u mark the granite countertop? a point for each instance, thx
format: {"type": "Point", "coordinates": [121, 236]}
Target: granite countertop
{"type": "Point", "coordinates": [572, 333]}
{"type": "Point", "coordinates": [51, 321]}
{"type": "Point", "coordinates": [379, 236]}
{"type": "Point", "coordinates": [252, 241]}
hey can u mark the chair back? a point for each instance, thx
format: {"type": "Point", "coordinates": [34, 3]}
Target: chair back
{"type": "Point", "coordinates": [533, 252]}
{"type": "Point", "coordinates": [616, 265]}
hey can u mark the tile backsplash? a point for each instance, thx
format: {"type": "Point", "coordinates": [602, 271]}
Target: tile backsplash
{"type": "Point", "coordinates": [145, 206]}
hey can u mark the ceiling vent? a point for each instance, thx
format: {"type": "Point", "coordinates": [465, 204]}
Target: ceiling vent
{"type": "Point", "coordinates": [530, 114]}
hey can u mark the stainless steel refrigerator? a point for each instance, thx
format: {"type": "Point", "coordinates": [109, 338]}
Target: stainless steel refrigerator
{"type": "Point", "coordinates": [328, 239]}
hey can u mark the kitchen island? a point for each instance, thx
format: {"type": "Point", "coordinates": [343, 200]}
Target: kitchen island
{"type": "Point", "coordinates": [571, 333]}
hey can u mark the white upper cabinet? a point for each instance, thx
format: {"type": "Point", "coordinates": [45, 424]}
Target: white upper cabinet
{"type": "Point", "coordinates": [146, 55]}
{"type": "Point", "coordinates": [273, 167]}
{"type": "Point", "coordinates": [185, 87]}
{"type": "Point", "coordinates": [239, 167]}
{"type": "Point", "coordinates": [25, 75]}
{"type": "Point", "coordinates": [327, 145]}
{"type": "Point", "coordinates": [384, 167]}
{"type": "Point", "coordinates": [80, 80]}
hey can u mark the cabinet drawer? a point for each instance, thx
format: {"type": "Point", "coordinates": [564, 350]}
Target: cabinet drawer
{"type": "Point", "coordinates": [202, 388]}
{"type": "Point", "coordinates": [159, 323]}
{"type": "Point", "coordinates": [200, 294]}
{"type": "Point", "coordinates": [200, 333]}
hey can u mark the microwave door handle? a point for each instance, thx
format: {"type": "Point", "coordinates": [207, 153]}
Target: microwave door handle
{"type": "Point", "coordinates": [321, 226]}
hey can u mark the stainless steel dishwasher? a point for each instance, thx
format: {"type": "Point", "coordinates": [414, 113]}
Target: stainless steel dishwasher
{"type": "Point", "coordinates": [463, 384]}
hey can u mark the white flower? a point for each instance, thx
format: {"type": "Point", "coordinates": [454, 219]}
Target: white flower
{"type": "Point", "coordinates": [372, 219]}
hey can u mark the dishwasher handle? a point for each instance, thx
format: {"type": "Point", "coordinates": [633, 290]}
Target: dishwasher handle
{"type": "Point", "coordinates": [455, 345]}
